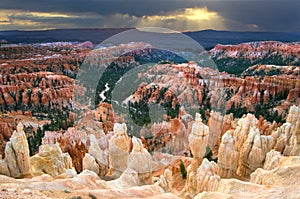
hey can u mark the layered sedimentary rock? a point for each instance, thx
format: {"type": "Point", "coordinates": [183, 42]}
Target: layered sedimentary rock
{"type": "Point", "coordinates": [247, 146]}
{"type": "Point", "coordinates": [278, 179]}
{"type": "Point", "coordinates": [89, 163]}
{"type": "Point", "coordinates": [243, 149]}
{"type": "Point", "coordinates": [253, 152]}
{"type": "Point", "coordinates": [254, 51]}
{"type": "Point", "coordinates": [97, 156]}
{"type": "Point", "coordinates": [287, 136]}
{"type": "Point", "coordinates": [70, 142]}
{"type": "Point", "coordinates": [85, 185]}
{"type": "Point", "coordinates": [165, 180]}
{"type": "Point", "coordinates": [250, 91]}
{"type": "Point", "coordinates": [52, 161]}
{"type": "Point", "coordinates": [278, 170]}
{"type": "Point", "coordinates": [228, 124]}
{"type": "Point", "coordinates": [191, 181]}
{"type": "Point", "coordinates": [201, 178]}
{"type": "Point", "coordinates": [180, 135]}
{"type": "Point", "coordinates": [140, 161]}
{"type": "Point", "coordinates": [36, 89]}
{"type": "Point", "coordinates": [198, 139]}
{"type": "Point", "coordinates": [119, 145]}
{"type": "Point", "coordinates": [17, 160]}
{"type": "Point", "coordinates": [269, 70]}
{"type": "Point", "coordinates": [86, 141]}
{"type": "Point", "coordinates": [207, 176]}
{"type": "Point", "coordinates": [104, 113]}
{"type": "Point", "coordinates": [228, 156]}
{"type": "Point", "coordinates": [215, 124]}
{"type": "Point", "coordinates": [138, 168]}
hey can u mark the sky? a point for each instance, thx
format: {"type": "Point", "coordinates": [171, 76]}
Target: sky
{"type": "Point", "coordinates": [179, 15]}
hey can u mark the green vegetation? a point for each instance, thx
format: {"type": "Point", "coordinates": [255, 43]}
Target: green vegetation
{"type": "Point", "coordinates": [238, 65]}
{"type": "Point", "coordinates": [139, 112]}
{"type": "Point", "coordinates": [237, 112]}
{"type": "Point", "coordinates": [182, 169]}
{"type": "Point", "coordinates": [35, 140]}
{"type": "Point", "coordinates": [265, 110]}
{"type": "Point", "coordinates": [209, 155]}
{"type": "Point", "coordinates": [92, 196]}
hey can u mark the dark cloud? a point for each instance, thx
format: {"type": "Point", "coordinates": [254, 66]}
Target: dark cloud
{"type": "Point", "coordinates": [267, 15]}
{"type": "Point", "coordinates": [264, 15]}
{"type": "Point", "coordinates": [103, 7]}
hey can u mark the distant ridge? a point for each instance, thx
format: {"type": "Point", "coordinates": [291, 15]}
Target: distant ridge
{"type": "Point", "coordinates": [207, 38]}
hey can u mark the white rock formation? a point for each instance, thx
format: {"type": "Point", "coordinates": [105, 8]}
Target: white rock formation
{"type": "Point", "coordinates": [278, 170]}
{"type": "Point", "coordinates": [17, 160]}
{"type": "Point", "coordinates": [228, 156]}
{"type": "Point", "coordinates": [89, 163]}
{"type": "Point", "coordinates": [52, 161]}
{"type": "Point", "coordinates": [201, 178]}
{"type": "Point", "coordinates": [207, 176]}
{"type": "Point", "coordinates": [215, 124]}
{"type": "Point", "coordinates": [198, 139]}
{"type": "Point", "coordinates": [191, 181]}
{"type": "Point", "coordinates": [165, 180]}
{"type": "Point", "coordinates": [119, 145]}
{"type": "Point", "coordinates": [97, 153]}
{"type": "Point", "coordinates": [293, 136]}
{"type": "Point", "coordinates": [139, 168]}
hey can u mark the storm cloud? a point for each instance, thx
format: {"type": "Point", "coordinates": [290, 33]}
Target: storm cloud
{"type": "Point", "coordinates": [181, 15]}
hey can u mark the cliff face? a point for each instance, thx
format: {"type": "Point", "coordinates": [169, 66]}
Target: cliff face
{"type": "Point", "coordinates": [192, 86]}
{"type": "Point", "coordinates": [252, 91]}
{"type": "Point", "coordinates": [237, 58]}
{"type": "Point", "coordinates": [256, 50]}
{"type": "Point", "coordinates": [24, 90]}
{"type": "Point", "coordinates": [245, 148]}
{"type": "Point", "coordinates": [270, 70]}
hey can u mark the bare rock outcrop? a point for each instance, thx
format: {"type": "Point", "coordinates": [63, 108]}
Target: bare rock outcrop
{"type": "Point", "coordinates": [227, 125]}
{"type": "Point", "coordinates": [254, 51]}
{"type": "Point", "coordinates": [191, 181]}
{"type": "Point", "coordinates": [119, 145]}
{"type": "Point", "coordinates": [278, 171]}
{"type": "Point", "coordinates": [287, 136]}
{"type": "Point", "coordinates": [207, 176]}
{"type": "Point", "coordinates": [72, 141]}
{"type": "Point", "coordinates": [293, 137]}
{"type": "Point", "coordinates": [138, 168]}
{"type": "Point", "coordinates": [165, 180]}
{"type": "Point", "coordinates": [179, 133]}
{"type": "Point", "coordinates": [97, 157]}
{"type": "Point", "coordinates": [52, 161]}
{"type": "Point", "coordinates": [243, 149]}
{"type": "Point", "coordinates": [253, 152]}
{"type": "Point", "coordinates": [84, 185]}
{"type": "Point", "coordinates": [201, 178]}
{"type": "Point", "coordinates": [215, 124]}
{"type": "Point", "coordinates": [228, 156]}
{"type": "Point", "coordinates": [104, 113]}
{"type": "Point", "coordinates": [17, 160]}
{"type": "Point", "coordinates": [198, 139]}
{"type": "Point", "coordinates": [278, 179]}
{"type": "Point", "coordinates": [89, 163]}
{"type": "Point", "coordinates": [45, 89]}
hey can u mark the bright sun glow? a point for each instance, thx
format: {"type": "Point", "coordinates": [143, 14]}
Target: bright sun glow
{"type": "Point", "coordinates": [187, 19]}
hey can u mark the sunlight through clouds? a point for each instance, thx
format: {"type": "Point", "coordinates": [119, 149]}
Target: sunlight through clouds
{"type": "Point", "coordinates": [188, 19]}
